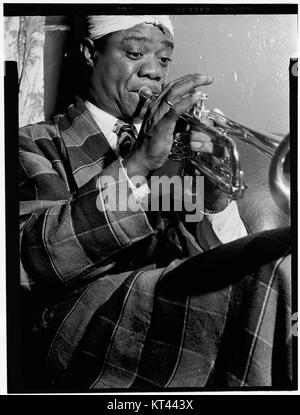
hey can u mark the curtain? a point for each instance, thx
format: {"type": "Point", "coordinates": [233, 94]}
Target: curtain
{"type": "Point", "coordinates": [24, 39]}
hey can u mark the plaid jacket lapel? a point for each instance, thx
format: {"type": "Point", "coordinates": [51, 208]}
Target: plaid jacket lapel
{"type": "Point", "coordinates": [88, 150]}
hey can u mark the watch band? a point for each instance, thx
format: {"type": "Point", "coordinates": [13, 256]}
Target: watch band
{"type": "Point", "coordinates": [215, 212]}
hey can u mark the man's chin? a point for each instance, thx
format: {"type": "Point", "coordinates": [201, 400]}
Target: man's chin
{"type": "Point", "coordinates": [134, 109]}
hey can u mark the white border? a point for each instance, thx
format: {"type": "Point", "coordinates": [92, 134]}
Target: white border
{"type": "Point", "coordinates": [3, 366]}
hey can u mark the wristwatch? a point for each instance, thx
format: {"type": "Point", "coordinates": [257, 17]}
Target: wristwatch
{"type": "Point", "coordinates": [215, 212]}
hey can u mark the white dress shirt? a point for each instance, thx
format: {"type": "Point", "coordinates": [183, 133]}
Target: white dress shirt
{"type": "Point", "coordinates": [222, 227]}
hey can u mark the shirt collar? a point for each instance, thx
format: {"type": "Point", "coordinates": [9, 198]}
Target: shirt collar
{"type": "Point", "coordinates": [105, 121]}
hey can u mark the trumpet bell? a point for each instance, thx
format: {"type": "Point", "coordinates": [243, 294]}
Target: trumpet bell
{"type": "Point", "coordinates": [279, 175]}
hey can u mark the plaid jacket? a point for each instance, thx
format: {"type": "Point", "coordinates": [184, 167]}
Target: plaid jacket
{"type": "Point", "coordinates": [65, 235]}
{"type": "Point", "coordinates": [102, 321]}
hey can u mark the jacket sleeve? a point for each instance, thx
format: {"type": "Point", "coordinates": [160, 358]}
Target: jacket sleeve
{"type": "Point", "coordinates": [65, 235]}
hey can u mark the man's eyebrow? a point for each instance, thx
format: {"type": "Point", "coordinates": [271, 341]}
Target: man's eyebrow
{"type": "Point", "coordinates": [133, 36]}
{"type": "Point", "coordinates": [168, 43]}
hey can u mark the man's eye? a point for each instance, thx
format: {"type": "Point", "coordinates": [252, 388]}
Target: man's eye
{"type": "Point", "coordinates": [134, 55]}
{"type": "Point", "coordinates": [164, 60]}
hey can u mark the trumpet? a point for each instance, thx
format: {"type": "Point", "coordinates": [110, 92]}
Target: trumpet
{"type": "Point", "coordinates": [223, 167]}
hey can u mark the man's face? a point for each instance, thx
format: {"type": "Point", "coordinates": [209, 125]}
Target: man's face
{"type": "Point", "coordinates": [131, 59]}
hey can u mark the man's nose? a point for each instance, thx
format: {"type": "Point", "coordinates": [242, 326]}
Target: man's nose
{"type": "Point", "coordinates": [150, 68]}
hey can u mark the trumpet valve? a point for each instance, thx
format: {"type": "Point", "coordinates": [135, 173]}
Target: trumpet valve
{"type": "Point", "coordinates": [199, 111]}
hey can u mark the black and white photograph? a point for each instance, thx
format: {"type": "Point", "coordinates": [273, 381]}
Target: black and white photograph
{"type": "Point", "coordinates": [151, 158]}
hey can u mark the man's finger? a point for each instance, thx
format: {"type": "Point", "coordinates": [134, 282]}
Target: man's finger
{"type": "Point", "coordinates": [185, 103]}
{"type": "Point", "coordinates": [178, 94]}
{"type": "Point", "coordinates": [204, 147]}
{"type": "Point", "coordinates": [185, 87]}
{"type": "Point", "coordinates": [200, 142]}
{"type": "Point", "coordinates": [196, 78]}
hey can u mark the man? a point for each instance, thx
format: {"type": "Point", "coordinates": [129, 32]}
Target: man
{"type": "Point", "coordinates": [127, 298]}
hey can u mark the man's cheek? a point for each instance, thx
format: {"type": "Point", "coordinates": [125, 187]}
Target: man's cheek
{"type": "Point", "coordinates": [165, 77]}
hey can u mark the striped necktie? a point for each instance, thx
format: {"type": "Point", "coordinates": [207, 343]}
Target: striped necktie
{"type": "Point", "coordinates": [127, 134]}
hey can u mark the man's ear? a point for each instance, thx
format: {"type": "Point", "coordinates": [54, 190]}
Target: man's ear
{"type": "Point", "coordinates": [87, 49]}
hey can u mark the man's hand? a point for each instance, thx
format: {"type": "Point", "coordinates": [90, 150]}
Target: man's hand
{"type": "Point", "coordinates": [157, 132]}
{"type": "Point", "coordinates": [214, 198]}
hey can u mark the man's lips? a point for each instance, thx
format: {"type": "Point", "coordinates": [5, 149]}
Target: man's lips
{"type": "Point", "coordinates": [154, 89]}
{"type": "Point", "coordinates": [138, 99]}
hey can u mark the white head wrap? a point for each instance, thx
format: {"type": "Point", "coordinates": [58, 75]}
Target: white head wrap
{"type": "Point", "coordinates": [99, 26]}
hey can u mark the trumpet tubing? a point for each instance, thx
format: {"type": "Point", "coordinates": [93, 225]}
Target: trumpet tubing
{"type": "Point", "coordinates": [225, 171]}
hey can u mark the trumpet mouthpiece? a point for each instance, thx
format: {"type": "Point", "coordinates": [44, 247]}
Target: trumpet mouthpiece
{"type": "Point", "coordinates": [146, 93]}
